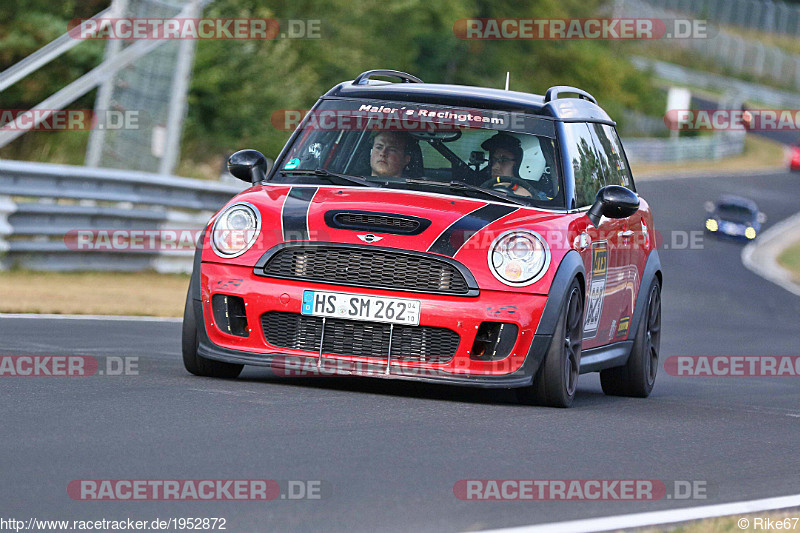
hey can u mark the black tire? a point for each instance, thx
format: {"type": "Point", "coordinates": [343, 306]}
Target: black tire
{"type": "Point", "coordinates": [637, 377]}
{"type": "Point", "coordinates": [197, 364]}
{"type": "Point", "coordinates": [555, 383]}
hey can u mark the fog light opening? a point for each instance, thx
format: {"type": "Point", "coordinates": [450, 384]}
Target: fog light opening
{"type": "Point", "coordinates": [494, 341]}
{"type": "Point", "coordinates": [229, 314]}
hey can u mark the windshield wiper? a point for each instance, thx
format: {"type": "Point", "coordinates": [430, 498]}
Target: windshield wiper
{"type": "Point", "coordinates": [332, 176]}
{"type": "Point", "coordinates": [457, 185]}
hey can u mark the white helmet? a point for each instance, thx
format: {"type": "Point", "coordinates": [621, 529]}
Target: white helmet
{"type": "Point", "coordinates": [533, 163]}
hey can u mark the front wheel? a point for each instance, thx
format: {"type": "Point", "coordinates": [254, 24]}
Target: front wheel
{"type": "Point", "coordinates": [638, 376]}
{"type": "Point", "coordinates": [192, 361]}
{"type": "Point", "coordinates": [555, 383]}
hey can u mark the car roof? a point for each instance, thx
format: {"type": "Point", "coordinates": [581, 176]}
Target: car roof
{"type": "Point", "coordinates": [731, 199]}
{"type": "Point", "coordinates": [566, 109]}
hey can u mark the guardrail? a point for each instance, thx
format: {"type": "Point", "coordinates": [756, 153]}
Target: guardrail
{"type": "Point", "coordinates": [752, 92]}
{"type": "Point", "coordinates": [715, 146]}
{"type": "Point", "coordinates": [42, 204]}
{"type": "Point", "coordinates": [636, 124]}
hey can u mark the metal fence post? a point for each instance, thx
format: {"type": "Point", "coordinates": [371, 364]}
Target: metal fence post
{"type": "Point", "coordinates": [755, 14]}
{"type": "Point", "coordinates": [769, 16]}
{"type": "Point", "coordinates": [113, 47]}
{"type": "Point", "coordinates": [7, 206]}
{"type": "Point", "coordinates": [726, 13]}
{"type": "Point", "coordinates": [741, 14]}
{"type": "Point", "coordinates": [177, 104]}
{"type": "Point", "coordinates": [738, 46]}
{"type": "Point", "coordinates": [797, 73]}
{"type": "Point", "coordinates": [777, 64]}
{"type": "Point", "coordinates": [759, 59]}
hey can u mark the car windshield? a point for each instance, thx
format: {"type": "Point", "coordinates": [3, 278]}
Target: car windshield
{"type": "Point", "coordinates": [476, 153]}
{"type": "Point", "coordinates": [737, 213]}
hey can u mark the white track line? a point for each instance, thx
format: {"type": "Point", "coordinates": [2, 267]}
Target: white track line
{"type": "Point", "coordinates": [655, 518]}
{"type": "Point", "coordinates": [92, 317]}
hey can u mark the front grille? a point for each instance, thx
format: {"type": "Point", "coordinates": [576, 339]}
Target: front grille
{"type": "Point", "coordinates": [367, 268]}
{"type": "Point", "coordinates": [376, 221]}
{"type": "Point", "coordinates": [362, 339]}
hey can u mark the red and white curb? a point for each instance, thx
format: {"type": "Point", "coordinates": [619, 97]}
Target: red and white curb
{"type": "Point", "coordinates": [760, 256]}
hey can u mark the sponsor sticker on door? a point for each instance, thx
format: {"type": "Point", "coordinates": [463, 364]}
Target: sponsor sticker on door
{"type": "Point", "coordinates": [597, 289]}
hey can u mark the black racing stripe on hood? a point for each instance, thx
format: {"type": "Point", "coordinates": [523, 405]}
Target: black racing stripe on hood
{"type": "Point", "coordinates": [295, 213]}
{"type": "Point", "coordinates": [454, 237]}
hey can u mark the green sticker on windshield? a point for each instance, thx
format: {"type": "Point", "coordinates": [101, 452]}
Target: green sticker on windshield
{"type": "Point", "coordinates": [292, 164]}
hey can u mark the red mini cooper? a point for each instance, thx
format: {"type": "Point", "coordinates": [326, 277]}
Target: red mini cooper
{"type": "Point", "coordinates": [439, 233]}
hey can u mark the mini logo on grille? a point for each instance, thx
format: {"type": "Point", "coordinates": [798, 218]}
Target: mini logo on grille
{"type": "Point", "coordinates": [369, 238]}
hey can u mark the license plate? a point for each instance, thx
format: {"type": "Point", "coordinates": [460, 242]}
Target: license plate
{"type": "Point", "coordinates": [361, 307]}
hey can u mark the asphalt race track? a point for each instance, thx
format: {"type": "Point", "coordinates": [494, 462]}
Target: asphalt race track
{"type": "Point", "coordinates": [390, 452]}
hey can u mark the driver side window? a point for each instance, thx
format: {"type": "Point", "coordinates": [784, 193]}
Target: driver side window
{"type": "Point", "coordinates": [617, 171]}
{"type": "Point", "coordinates": [586, 161]}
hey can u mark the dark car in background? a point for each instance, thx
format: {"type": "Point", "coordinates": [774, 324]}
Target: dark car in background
{"type": "Point", "coordinates": [734, 217]}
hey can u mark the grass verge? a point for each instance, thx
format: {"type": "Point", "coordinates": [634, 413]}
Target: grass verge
{"type": "Point", "coordinates": [759, 154]}
{"type": "Point", "coordinates": [93, 293]}
{"type": "Point", "coordinates": [790, 260]}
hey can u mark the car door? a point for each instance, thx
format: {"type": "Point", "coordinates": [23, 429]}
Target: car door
{"type": "Point", "coordinates": [597, 245]}
{"type": "Point", "coordinates": [631, 234]}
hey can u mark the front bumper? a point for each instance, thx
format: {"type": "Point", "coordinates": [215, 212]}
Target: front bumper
{"type": "Point", "coordinates": [730, 236]}
{"type": "Point", "coordinates": [460, 314]}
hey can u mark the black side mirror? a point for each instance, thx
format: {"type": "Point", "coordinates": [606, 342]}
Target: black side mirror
{"type": "Point", "coordinates": [248, 165]}
{"type": "Point", "coordinates": [613, 201]}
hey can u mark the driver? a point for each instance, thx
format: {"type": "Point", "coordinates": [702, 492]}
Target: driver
{"type": "Point", "coordinates": [389, 154]}
{"type": "Point", "coordinates": [505, 156]}
{"type": "Point", "coordinates": [508, 159]}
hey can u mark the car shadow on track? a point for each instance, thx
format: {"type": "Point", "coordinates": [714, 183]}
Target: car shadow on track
{"type": "Point", "coordinates": [406, 389]}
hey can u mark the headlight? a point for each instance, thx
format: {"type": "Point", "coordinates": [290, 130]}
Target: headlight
{"type": "Point", "coordinates": [750, 233]}
{"type": "Point", "coordinates": [711, 225]}
{"type": "Point", "coordinates": [519, 257]}
{"type": "Point", "coordinates": [235, 230]}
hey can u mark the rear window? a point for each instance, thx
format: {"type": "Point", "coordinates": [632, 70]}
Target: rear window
{"type": "Point", "coordinates": [735, 212]}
